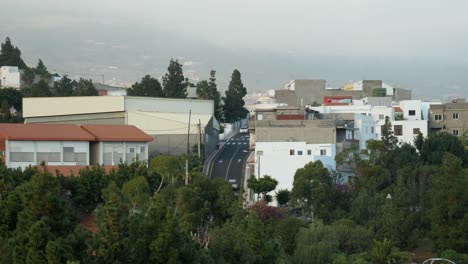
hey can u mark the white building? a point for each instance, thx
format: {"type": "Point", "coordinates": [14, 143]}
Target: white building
{"type": "Point", "coordinates": [280, 160]}
{"type": "Point", "coordinates": [69, 148]}
{"type": "Point", "coordinates": [10, 77]}
{"type": "Point", "coordinates": [407, 118]}
{"type": "Point", "coordinates": [166, 119]}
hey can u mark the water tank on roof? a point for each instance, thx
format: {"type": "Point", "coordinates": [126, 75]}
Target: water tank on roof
{"type": "Point", "coordinates": [379, 92]}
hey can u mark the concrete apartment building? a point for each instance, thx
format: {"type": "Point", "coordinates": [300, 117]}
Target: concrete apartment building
{"type": "Point", "coordinates": [69, 148]}
{"type": "Point", "coordinates": [286, 138]}
{"type": "Point", "coordinates": [450, 117]}
{"type": "Point", "coordinates": [165, 119]}
{"type": "Point", "coordinates": [408, 117]}
{"type": "Point", "coordinates": [310, 92]}
{"type": "Point", "coordinates": [10, 77]}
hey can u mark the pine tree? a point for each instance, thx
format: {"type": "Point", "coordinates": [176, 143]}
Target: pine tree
{"type": "Point", "coordinates": [148, 86]}
{"type": "Point", "coordinates": [208, 90]}
{"type": "Point", "coordinates": [10, 55]}
{"type": "Point", "coordinates": [175, 85]}
{"type": "Point", "coordinates": [233, 108]}
{"type": "Point", "coordinates": [64, 87]}
{"type": "Point", "coordinates": [110, 242]}
{"type": "Point", "coordinates": [40, 89]}
{"type": "Point", "coordinates": [85, 88]}
{"type": "Point", "coordinates": [215, 95]}
{"type": "Point", "coordinates": [388, 138]}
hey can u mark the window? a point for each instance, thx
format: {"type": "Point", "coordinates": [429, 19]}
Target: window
{"type": "Point", "coordinates": [68, 149]}
{"type": "Point", "coordinates": [21, 156]}
{"type": "Point", "coordinates": [132, 150]}
{"type": "Point", "coordinates": [323, 152]}
{"type": "Point", "coordinates": [48, 156]}
{"type": "Point", "coordinates": [398, 130]}
{"type": "Point", "coordinates": [412, 112]}
{"type": "Point", "coordinates": [437, 117]}
{"type": "Point", "coordinates": [299, 152]}
{"type": "Point", "coordinates": [416, 131]}
{"type": "Point", "coordinates": [381, 117]}
{"type": "Point", "coordinates": [68, 154]}
{"type": "Point", "coordinates": [455, 132]}
{"type": "Point", "coordinates": [455, 115]}
{"type": "Point", "coordinates": [291, 152]}
{"type": "Point", "coordinates": [372, 129]}
{"type": "Point", "coordinates": [142, 149]}
{"type": "Point", "coordinates": [309, 152]}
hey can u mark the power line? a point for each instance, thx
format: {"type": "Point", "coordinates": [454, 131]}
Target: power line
{"type": "Point", "coordinates": [172, 129]}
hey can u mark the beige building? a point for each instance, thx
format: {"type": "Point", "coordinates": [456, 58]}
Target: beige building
{"type": "Point", "coordinates": [165, 119]}
{"type": "Point", "coordinates": [450, 117]}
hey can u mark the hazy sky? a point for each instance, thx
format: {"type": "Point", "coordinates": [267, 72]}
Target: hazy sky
{"type": "Point", "coordinates": [400, 31]}
{"type": "Point", "coordinates": [429, 29]}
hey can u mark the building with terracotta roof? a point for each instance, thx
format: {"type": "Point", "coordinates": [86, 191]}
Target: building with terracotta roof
{"type": "Point", "coordinates": [68, 147]}
{"type": "Point", "coordinates": [170, 121]}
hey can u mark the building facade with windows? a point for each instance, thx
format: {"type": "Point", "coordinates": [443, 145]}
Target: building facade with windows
{"type": "Point", "coordinates": [167, 120]}
{"type": "Point", "coordinates": [281, 159]}
{"type": "Point", "coordinates": [450, 117]}
{"type": "Point", "coordinates": [68, 148]}
{"type": "Point", "coordinates": [10, 77]}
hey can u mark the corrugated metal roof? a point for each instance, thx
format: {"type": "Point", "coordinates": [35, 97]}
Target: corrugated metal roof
{"type": "Point", "coordinates": [155, 123]}
{"type": "Point", "coordinates": [44, 132]}
{"type": "Point", "coordinates": [117, 133]}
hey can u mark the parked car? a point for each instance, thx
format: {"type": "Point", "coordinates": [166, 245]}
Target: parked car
{"type": "Point", "coordinates": [234, 184]}
{"type": "Point", "coordinates": [244, 130]}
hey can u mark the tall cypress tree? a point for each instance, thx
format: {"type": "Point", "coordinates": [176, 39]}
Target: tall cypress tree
{"type": "Point", "coordinates": [233, 108]}
{"type": "Point", "coordinates": [174, 82]}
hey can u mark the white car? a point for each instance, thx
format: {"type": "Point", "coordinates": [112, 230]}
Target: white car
{"type": "Point", "coordinates": [234, 184]}
{"type": "Point", "coordinates": [244, 130]}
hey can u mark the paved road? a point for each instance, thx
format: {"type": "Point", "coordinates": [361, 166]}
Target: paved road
{"type": "Point", "coordinates": [229, 162]}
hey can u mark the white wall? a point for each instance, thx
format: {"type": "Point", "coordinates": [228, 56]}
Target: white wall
{"type": "Point", "coordinates": [408, 129]}
{"type": "Point", "coordinates": [411, 105]}
{"type": "Point", "coordinates": [365, 125]}
{"type": "Point", "coordinates": [44, 146]}
{"type": "Point", "coordinates": [169, 105]}
{"type": "Point", "coordinates": [277, 162]}
{"type": "Point", "coordinates": [10, 77]}
{"type": "Point", "coordinates": [117, 152]}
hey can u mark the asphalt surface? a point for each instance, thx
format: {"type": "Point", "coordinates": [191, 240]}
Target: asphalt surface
{"type": "Point", "coordinates": [229, 162]}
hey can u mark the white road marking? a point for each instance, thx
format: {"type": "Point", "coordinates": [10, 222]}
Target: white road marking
{"type": "Point", "coordinates": [221, 161]}
{"type": "Point", "coordinates": [239, 160]}
{"type": "Point", "coordinates": [229, 165]}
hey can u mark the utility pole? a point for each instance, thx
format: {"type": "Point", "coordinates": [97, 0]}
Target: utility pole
{"type": "Point", "coordinates": [188, 133]}
{"type": "Point", "coordinates": [199, 139]}
{"type": "Point", "coordinates": [186, 172]}
{"type": "Point", "coordinates": [188, 148]}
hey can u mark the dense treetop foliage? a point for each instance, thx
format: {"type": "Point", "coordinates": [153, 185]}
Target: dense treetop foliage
{"type": "Point", "coordinates": [147, 214]}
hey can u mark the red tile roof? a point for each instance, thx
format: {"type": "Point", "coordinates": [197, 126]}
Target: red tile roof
{"type": "Point", "coordinates": [398, 109]}
{"type": "Point", "coordinates": [66, 170]}
{"type": "Point", "coordinates": [44, 132]}
{"type": "Point", "coordinates": [117, 133]}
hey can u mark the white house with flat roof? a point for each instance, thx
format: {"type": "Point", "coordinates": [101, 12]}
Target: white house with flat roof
{"type": "Point", "coordinates": [10, 77]}
{"type": "Point", "coordinates": [280, 160]}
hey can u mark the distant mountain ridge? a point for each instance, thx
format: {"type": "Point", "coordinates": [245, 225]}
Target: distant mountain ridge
{"type": "Point", "coordinates": [124, 54]}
